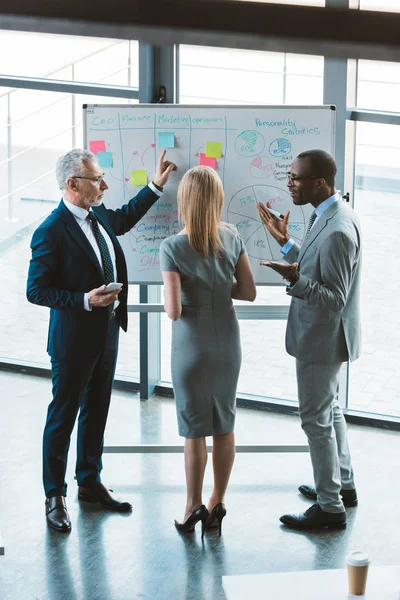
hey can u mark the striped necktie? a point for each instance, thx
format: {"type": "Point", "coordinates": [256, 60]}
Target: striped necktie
{"type": "Point", "coordinates": [108, 268]}
{"type": "Point", "coordinates": [311, 221]}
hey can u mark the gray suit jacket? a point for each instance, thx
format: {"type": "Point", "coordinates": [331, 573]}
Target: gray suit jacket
{"type": "Point", "coordinates": [324, 316]}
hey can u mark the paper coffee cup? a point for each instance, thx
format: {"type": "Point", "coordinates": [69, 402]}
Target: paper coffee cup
{"type": "Point", "coordinates": [357, 571]}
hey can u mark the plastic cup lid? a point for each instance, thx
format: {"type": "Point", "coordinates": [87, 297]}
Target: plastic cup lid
{"type": "Point", "coordinates": [358, 558]}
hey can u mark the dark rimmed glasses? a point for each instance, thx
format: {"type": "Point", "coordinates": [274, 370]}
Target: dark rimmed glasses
{"type": "Point", "coordinates": [294, 178]}
{"type": "Point", "coordinates": [98, 180]}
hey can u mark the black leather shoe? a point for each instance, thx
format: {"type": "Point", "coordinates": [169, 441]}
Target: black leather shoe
{"type": "Point", "coordinates": [315, 518]}
{"type": "Point", "coordinates": [57, 515]}
{"type": "Point", "coordinates": [349, 497]}
{"type": "Point", "coordinates": [99, 494]}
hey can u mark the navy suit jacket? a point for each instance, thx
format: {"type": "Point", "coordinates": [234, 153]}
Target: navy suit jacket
{"type": "Point", "coordinates": [64, 267]}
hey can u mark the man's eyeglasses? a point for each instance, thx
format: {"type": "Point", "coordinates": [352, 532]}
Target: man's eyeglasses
{"type": "Point", "coordinates": [293, 178]}
{"type": "Point", "coordinates": [98, 180]}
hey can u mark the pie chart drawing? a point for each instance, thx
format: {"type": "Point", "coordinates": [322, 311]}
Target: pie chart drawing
{"type": "Point", "coordinates": [249, 143]}
{"type": "Point", "coordinates": [261, 167]}
{"type": "Point", "coordinates": [242, 212]}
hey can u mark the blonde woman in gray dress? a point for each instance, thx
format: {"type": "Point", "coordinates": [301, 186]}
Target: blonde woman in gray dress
{"type": "Point", "coordinates": [203, 268]}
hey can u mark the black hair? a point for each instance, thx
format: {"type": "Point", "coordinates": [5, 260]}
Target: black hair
{"type": "Point", "coordinates": [323, 164]}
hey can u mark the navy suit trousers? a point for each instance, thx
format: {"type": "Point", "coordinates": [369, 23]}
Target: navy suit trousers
{"type": "Point", "coordinates": [82, 385]}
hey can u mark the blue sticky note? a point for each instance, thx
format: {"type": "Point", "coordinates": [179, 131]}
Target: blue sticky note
{"type": "Point", "coordinates": [105, 159]}
{"type": "Point", "coordinates": [166, 139]}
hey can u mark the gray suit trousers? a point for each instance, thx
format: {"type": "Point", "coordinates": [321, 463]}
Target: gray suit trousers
{"type": "Point", "coordinates": [323, 422]}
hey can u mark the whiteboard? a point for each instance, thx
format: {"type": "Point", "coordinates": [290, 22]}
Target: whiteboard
{"type": "Point", "coordinates": [256, 145]}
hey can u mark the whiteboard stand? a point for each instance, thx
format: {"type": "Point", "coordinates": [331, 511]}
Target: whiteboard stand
{"type": "Point", "coordinates": [173, 449]}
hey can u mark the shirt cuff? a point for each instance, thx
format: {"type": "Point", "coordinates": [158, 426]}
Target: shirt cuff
{"type": "Point", "coordinates": [288, 246]}
{"type": "Point", "coordinates": [86, 302]}
{"type": "Point", "coordinates": [154, 189]}
{"type": "Point", "coordinates": [299, 287]}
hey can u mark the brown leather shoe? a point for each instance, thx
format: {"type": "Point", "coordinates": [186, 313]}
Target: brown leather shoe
{"type": "Point", "coordinates": [57, 515]}
{"type": "Point", "coordinates": [99, 494]}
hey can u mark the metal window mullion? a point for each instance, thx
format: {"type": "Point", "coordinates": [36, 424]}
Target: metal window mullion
{"type": "Point", "coordinates": [371, 116]}
{"type": "Point", "coordinates": [156, 68]}
{"type": "Point", "coordinates": [68, 87]}
{"type": "Point", "coordinates": [261, 312]}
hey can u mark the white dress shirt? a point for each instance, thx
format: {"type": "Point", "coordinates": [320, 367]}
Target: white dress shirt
{"type": "Point", "coordinates": [321, 208]}
{"type": "Point", "coordinates": [81, 217]}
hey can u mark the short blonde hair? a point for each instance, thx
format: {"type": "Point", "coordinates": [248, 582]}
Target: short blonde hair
{"type": "Point", "coordinates": [200, 203]}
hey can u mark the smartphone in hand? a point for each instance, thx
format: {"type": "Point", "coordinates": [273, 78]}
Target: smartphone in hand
{"type": "Point", "coordinates": [112, 287]}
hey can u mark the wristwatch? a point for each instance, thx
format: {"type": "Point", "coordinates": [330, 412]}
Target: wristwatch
{"type": "Point", "coordinates": [159, 187]}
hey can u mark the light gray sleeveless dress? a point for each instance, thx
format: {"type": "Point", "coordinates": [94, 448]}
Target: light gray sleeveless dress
{"type": "Point", "coordinates": [206, 353]}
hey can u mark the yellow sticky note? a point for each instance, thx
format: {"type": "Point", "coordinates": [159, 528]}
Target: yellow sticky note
{"type": "Point", "coordinates": [213, 149]}
{"type": "Point", "coordinates": [139, 177]}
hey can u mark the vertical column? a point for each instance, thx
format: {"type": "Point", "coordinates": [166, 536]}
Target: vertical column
{"type": "Point", "coordinates": [335, 86]}
{"type": "Point", "coordinates": [146, 72]}
{"type": "Point", "coordinates": [150, 342]}
{"type": "Point", "coordinates": [156, 69]}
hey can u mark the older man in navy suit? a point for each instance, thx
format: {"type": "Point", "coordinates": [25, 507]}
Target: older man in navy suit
{"type": "Point", "coordinates": [75, 254]}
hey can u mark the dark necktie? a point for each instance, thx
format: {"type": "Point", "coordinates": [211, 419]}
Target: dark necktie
{"type": "Point", "coordinates": [311, 221]}
{"type": "Point", "coordinates": [108, 268]}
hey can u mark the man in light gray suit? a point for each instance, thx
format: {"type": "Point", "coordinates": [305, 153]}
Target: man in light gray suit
{"type": "Point", "coordinates": [323, 328]}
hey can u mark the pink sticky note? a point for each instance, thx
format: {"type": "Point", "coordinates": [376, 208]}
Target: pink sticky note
{"type": "Point", "coordinates": [208, 162]}
{"type": "Point", "coordinates": [97, 146]}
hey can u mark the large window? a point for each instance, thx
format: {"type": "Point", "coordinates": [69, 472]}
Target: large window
{"type": "Point", "coordinates": [375, 377]}
{"type": "Point", "coordinates": [378, 85]}
{"type": "Point", "coordinates": [381, 5]}
{"type": "Point", "coordinates": [36, 127]}
{"type": "Point", "coordinates": [69, 58]}
{"type": "Point", "coordinates": [224, 76]}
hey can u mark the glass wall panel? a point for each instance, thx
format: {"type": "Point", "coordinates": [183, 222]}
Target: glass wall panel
{"type": "Point", "coordinates": [129, 351]}
{"type": "Point", "coordinates": [226, 76]}
{"type": "Point", "coordinates": [378, 85]}
{"type": "Point", "coordinates": [382, 5]}
{"type": "Point", "coordinates": [267, 370]}
{"type": "Point", "coordinates": [378, 156]}
{"type": "Point", "coordinates": [47, 55]}
{"type": "Point", "coordinates": [23, 326]}
{"type": "Point", "coordinates": [374, 384]}
{"type": "Point", "coordinates": [44, 125]}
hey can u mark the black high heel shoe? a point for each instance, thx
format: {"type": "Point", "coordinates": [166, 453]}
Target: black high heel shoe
{"type": "Point", "coordinates": [216, 516]}
{"type": "Point", "coordinates": [200, 514]}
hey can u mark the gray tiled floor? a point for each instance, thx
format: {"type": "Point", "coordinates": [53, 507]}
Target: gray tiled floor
{"type": "Point", "coordinates": [140, 555]}
{"type": "Point", "coordinates": [267, 370]}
